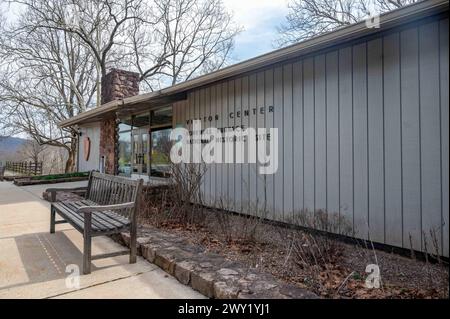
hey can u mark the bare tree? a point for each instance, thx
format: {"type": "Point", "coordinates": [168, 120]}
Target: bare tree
{"type": "Point", "coordinates": [191, 37]}
{"type": "Point", "coordinates": [167, 41]}
{"type": "Point", "coordinates": [308, 18]}
{"type": "Point", "coordinates": [99, 25]}
{"type": "Point", "coordinates": [56, 53]}
{"type": "Point", "coordinates": [32, 151]}
{"type": "Point", "coordinates": [46, 76]}
{"type": "Point", "coordinates": [51, 157]}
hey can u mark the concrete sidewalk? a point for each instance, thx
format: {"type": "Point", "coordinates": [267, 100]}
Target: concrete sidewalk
{"type": "Point", "coordinates": [33, 262]}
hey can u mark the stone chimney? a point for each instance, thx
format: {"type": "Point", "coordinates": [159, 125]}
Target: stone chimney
{"type": "Point", "coordinates": [116, 85]}
{"type": "Point", "coordinates": [119, 84]}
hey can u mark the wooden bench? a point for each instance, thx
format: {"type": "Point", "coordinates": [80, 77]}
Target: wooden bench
{"type": "Point", "coordinates": [109, 207]}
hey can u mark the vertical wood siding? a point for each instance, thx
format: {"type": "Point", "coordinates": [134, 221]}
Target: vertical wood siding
{"type": "Point", "coordinates": [363, 133]}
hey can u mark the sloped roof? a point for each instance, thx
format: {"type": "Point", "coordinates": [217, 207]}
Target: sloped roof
{"type": "Point", "coordinates": [348, 33]}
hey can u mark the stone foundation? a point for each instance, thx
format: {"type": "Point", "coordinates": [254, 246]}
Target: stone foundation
{"type": "Point", "coordinates": [210, 274]}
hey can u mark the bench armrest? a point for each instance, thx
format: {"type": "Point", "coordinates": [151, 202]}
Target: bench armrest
{"type": "Point", "coordinates": [53, 191]}
{"type": "Point", "coordinates": [100, 208]}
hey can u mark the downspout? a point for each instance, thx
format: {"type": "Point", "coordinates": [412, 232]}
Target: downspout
{"type": "Point", "coordinates": [78, 148]}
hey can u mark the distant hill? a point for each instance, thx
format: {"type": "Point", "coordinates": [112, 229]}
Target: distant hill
{"type": "Point", "coordinates": [9, 146]}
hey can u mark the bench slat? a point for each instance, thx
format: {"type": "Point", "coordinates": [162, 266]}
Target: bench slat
{"type": "Point", "coordinates": [71, 214]}
{"type": "Point", "coordinates": [96, 219]}
{"type": "Point", "coordinates": [116, 179]}
{"type": "Point", "coordinates": [101, 221]}
{"type": "Point", "coordinates": [110, 219]}
{"type": "Point", "coordinates": [109, 216]}
{"type": "Point", "coordinates": [68, 216]}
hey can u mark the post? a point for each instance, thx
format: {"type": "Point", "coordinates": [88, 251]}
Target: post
{"type": "Point", "coordinates": [52, 219]}
{"type": "Point", "coordinates": [133, 226]}
{"type": "Point", "coordinates": [87, 243]}
{"type": "Point", "coordinates": [133, 237]}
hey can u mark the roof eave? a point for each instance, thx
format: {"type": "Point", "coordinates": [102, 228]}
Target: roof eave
{"type": "Point", "coordinates": [343, 34]}
{"type": "Point", "coordinates": [339, 36]}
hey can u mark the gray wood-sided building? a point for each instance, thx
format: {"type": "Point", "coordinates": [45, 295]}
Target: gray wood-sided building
{"type": "Point", "coordinates": [363, 119]}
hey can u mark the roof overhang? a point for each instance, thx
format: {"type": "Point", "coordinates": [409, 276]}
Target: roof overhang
{"type": "Point", "coordinates": [131, 105]}
{"type": "Point", "coordinates": [176, 92]}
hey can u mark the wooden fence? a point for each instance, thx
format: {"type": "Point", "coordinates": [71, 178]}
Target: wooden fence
{"type": "Point", "coordinates": [25, 168]}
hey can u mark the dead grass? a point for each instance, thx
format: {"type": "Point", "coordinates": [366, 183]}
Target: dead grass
{"type": "Point", "coordinates": [328, 267]}
{"type": "Point", "coordinates": [309, 259]}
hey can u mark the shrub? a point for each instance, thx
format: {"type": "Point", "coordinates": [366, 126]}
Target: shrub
{"type": "Point", "coordinates": [314, 247]}
{"type": "Point", "coordinates": [57, 176]}
{"type": "Point", "coordinates": [247, 227]}
{"type": "Point", "coordinates": [178, 202]}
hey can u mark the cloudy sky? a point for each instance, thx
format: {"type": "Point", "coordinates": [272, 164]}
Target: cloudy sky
{"type": "Point", "coordinates": [259, 18]}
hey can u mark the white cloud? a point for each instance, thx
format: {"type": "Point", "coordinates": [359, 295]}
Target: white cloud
{"type": "Point", "coordinates": [259, 18]}
{"type": "Point", "coordinates": [249, 13]}
{"type": "Point", "coordinates": [10, 10]}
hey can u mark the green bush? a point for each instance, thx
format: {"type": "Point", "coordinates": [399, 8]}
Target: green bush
{"type": "Point", "coordinates": [57, 176]}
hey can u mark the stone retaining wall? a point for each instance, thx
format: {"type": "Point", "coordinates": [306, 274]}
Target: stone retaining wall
{"type": "Point", "coordinates": [209, 273]}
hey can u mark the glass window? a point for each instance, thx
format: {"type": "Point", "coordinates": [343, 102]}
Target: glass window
{"type": "Point", "coordinates": [162, 116]}
{"type": "Point", "coordinates": [160, 158]}
{"type": "Point", "coordinates": [145, 152]}
{"type": "Point", "coordinates": [125, 153]}
{"type": "Point", "coordinates": [125, 125]}
{"type": "Point", "coordinates": [141, 144]}
{"type": "Point", "coordinates": [142, 120]}
{"type": "Point", "coordinates": [144, 143]}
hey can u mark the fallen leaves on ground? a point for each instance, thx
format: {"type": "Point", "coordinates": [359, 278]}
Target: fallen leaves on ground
{"type": "Point", "coordinates": [402, 277]}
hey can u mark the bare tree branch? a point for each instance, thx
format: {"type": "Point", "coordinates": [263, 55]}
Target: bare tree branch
{"type": "Point", "coordinates": [308, 18]}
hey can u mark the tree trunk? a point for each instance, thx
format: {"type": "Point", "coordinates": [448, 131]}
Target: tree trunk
{"type": "Point", "coordinates": [71, 159]}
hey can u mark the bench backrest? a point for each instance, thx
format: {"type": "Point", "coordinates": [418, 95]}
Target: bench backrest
{"type": "Point", "coordinates": [109, 190]}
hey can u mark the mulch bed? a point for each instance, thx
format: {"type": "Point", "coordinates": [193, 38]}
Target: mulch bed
{"type": "Point", "coordinates": [268, 248]}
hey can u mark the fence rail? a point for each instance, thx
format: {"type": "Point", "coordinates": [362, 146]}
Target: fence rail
{"type": "Point", "coordinates": [25, 168]}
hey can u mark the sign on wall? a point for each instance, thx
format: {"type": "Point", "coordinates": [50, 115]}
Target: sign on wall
{"type": "Point", "coordinates": [86, 147]}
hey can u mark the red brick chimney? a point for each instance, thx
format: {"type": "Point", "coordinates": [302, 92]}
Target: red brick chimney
{"type": "Point", "coordinates": [117, 84]}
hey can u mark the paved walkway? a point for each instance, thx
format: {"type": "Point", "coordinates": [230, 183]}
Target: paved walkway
{"type": "Point", "coordinates": [33, 262]}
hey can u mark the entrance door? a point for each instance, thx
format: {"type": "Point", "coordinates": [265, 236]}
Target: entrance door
{"type": "Point", "coordinates": [160, 152]}
{"type": "Point", "coordinates": [140, 157]}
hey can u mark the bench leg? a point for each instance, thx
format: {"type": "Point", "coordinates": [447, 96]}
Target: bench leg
{"type": "Point", "coordinates": [87, 254]}
{"type": "Point", "coordinates": [52, 220]}
{"type": "Point", "coordinates": [133, 247]}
